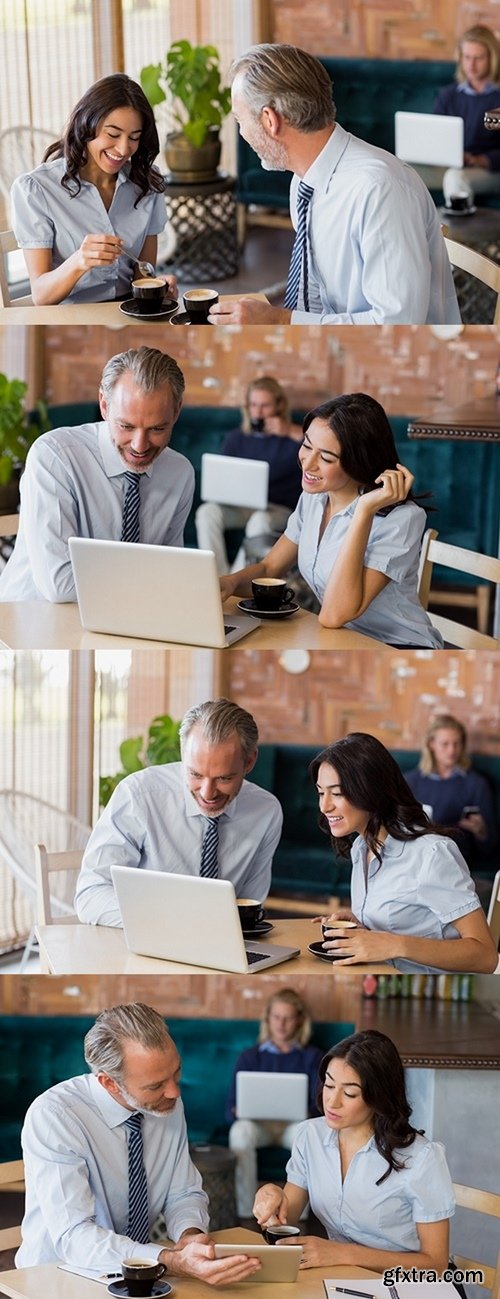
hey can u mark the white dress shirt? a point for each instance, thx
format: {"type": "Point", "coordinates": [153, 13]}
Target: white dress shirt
{"type": "Point", "coordinates": [355, 1209]}
{"type": "Point", "coordinates": [75, 1154]}
{"type": "Point", "coordinates": [395, 615]}
{"type": "Point", "coordinates": [421, 888]}
{"type": "Point", "coordinates": [74, 485]}
{"type": "Point", "coordinates": [46, 215]}
{"type": "Point", "coordinates": [153, 822]}
{"type": "Point", "coordinates": [376, 252]}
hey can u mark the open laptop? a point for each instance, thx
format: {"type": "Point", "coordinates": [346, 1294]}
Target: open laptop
{"type": "Point", "coordinates": [278, 1263]}
{"type": "Point", "coordinates": [430, 138]}
{"type": "Point", "coordinates": [163, 593]}
{"type": "Point", "coordinates": [271, 1095]}
{"type": "Point", "coordinates": [188, 919]}
{"type": "Point", "coordinates": [231, 480]}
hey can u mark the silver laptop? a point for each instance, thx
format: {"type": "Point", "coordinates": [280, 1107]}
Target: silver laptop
{"type": "Point", "coordinates": [159, 592]}
{"type": "Point", "coordinates": [430, 138]}
{"type": "Point", "coordinates": [188, 919]}
{"type": "Point", "coordinates": [271, 1095]}
{"type": "Point", "coordinates": [231, 480]}
{"type": "Point", "coordinates": [278, 1265]}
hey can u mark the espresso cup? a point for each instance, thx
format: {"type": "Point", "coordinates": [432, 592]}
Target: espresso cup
{"type": "Point", "coordinates": [279, 1231]}
{"type": "Point", "coordinates": [257, 424]}
{"type": "Point", "coordinates": [149, 293]}
{"type": "Point", "coordinates": [250, 912]}
{"type": "Point", "coordinates": [271, 593]}
{"type": "Point", "coordinates": [459, 202]}
{"type": "Point", "coordinates": [336, 924]}
{"type": "Point", "coordinates": [140, 1275]}
{"type": "Point", "coordinates": [197, 303]}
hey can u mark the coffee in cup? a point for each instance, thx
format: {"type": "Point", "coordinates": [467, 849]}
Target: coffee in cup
{"type": "Point", "coordinates": [279, 1231]}
{"type": "Point", "coordinates": [140, 1275]}
{"type": "Point", "coordinates": [249, 911]}
{"type": "Point", "coordinates": [271, 593]}
{"type": "Point", "coordinates": [459, 202]}
{"type": "Point", "coordinates": [197, 303]}
{"type": "Point", "coordinates": [149, 294]}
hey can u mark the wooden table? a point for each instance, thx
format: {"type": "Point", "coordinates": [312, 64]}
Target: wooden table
{"type": "Point", "coordinates": [37, 624]}
{"type": "Point", "coordinates": [99, 949]}
{"type": "Point", "coordinates": [90, 313]}
{"type": "Point", "coordinates": [48, 1280]}
{"type": "Point", "coordinates": [473, 422]}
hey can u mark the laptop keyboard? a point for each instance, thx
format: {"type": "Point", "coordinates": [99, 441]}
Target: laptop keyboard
{"type": "Point", "coordinates": [227, 628]}
{"type": "Point", "coordinates": [256, 956]}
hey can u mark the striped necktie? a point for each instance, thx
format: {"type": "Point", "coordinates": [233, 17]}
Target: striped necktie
{"type": "Point", "coordinates": [299, 263]}
{"type": "Point", "coordinates": [138, 1213]}
{"type": "Point", "coordinates": [209, 867]}
{"type": "Point", "coordinates": [131, 506]}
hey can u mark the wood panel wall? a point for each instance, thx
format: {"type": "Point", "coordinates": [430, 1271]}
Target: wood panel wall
{"type": "Point", "coordinates": [401, 29]}
{"type": "Point", "coordinates": [406, 367]}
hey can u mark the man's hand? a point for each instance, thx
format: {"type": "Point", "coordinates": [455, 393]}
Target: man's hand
{"type": "Point", "coordinates": [477, 160]}
{"type": "Point", "coordinates": [226, 587]}
{"type": "Point", "coordinates": [248, 311]}
{"type": "Point", "coordinates": [197, 1258]}
{"type": "Point", "coordinates": [475, 823]}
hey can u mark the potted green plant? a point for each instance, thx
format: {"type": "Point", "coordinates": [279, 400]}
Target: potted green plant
{"type": "Point", "coordinates": [18, 431]}
{"type": "Point", "coordinates": [189, 79]}
{"type": "Point", "coordinates": [162, 745]}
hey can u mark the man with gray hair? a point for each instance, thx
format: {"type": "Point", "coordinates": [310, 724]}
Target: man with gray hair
{"type": "Point", "coordinates": [368, 247]}
{"type": "Point", "coordinates": [106, 1153]}
{"type": "Point", "coordinates": [195, 817]}
{"type": "Point", "coordinates": [117, 480]}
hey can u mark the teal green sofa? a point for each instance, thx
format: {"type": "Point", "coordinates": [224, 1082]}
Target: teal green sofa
{"type": "Point", "coordinates": [37, 1052]}
{"type": "Point", "coordinates": [304, 862]}
{"type": "Point", "coordinates": [367, 93]}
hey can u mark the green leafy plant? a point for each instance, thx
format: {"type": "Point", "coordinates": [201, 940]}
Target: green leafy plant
{"type": "Point", "coordinates": [161, 745]}
{"type": "Point", "coordinates": [18, 430]}
{"type": "Point", "coordinates": [191, 77]}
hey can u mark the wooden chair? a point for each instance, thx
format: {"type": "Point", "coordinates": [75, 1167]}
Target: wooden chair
{"type": "Point", "coordinates": [494, 911]}
{"type": "Point", "coordinates": [468, 1197]}
{"type": "Point", "coordinates": [46, 904]}
{"type": "Point", "coordinates": [465, 561]}
{"type": "Point", "coordinates": [11, 1179]}
{"type": "Point", "coordinates": [8, 244]}
{"type": "Point", "coordinates": [475, 264]}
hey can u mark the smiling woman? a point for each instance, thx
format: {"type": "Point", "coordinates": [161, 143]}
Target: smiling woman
{"type": "Point", "coordinates": [95, 197]}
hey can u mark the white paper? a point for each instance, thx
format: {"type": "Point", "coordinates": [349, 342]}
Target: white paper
{"type": "Point", "coordinates": [405, 1289]}
{"type": "Point", "coordinates": [100, 1277]}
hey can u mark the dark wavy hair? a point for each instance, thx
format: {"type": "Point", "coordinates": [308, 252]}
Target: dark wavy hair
{"type": "Point", "coordinates": [378, 1065]}
{"type": "Point", "coordinates": [369, 777]}
{"type": "Point", "coordinates": [116, 91]}
{"type": "Point", "coordinates": [367, 445]}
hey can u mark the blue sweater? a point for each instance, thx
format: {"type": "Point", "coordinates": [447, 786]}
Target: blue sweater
{"type": "Point", "coordinates": [447, 799]}
{"type": "Point", "coordinates": [453, 102]}
{"type": "Point", "coordinates": [301, 1059]}
{"type": "Point", "coordinates": [285, 475]}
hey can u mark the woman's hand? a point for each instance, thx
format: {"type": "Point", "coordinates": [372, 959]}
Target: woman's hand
{"type": "Point", "coordinates": [98, 250]}
{"type": "Point", "coordinates": [395, 484]}
{"type": "Point", "coordinates": [343, 913]}
{"type": "Point", "coordinates": [270, 1205]}
{"type": "Point", "coordinates": [362, 945]}
{"type": "Point", "coordinates": [316, 1252]}
{"type": "Point", "coordinates": [172, 286]}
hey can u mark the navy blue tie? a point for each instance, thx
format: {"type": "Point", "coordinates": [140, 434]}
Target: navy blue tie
{"type": "Point", "coordinates": [131, 506]}
{"type": "Point", "coordinates": [209, 867]}
{"type": "Point", "coordinates": [138, 1212]}
{"type": "Point", "coordinates": [299, 263]}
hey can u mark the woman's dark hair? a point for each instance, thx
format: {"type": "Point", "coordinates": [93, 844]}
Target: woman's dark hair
{"type": "Point", "coordinates": [367, 445]}
{"type": "Point", "coordinates": [378, 1065]}
{"type": "Point", "coordinates": [116, 91]}
{"type": "Point", "coordinates": [369, 777]}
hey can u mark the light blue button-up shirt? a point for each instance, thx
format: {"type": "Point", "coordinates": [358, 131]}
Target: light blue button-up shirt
{"type": "Point", "coordinates": [46, 215]}
{"type": "Point", "coordinates": [74, 486]}
{"type": "Point", "coordinates": [395, 615]}
{"type": "Point", "coordinates": [421, 887]}
{"type": "Point", "coordinates": [356, 1209]}
{"type": "Point", "coordinates": [75, 1154]}
{"type": "Point", "coordinates": [153, 822]}
{"type": "Point", "coordinates": [376, 252]}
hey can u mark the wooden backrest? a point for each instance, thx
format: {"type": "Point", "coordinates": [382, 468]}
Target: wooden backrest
{"type": "Point", "coordinates": [11, 1179]}
{"type": "Point", "coordinates": [465, 561]}
{"type": "Point", "coordinates": [469, 1197]}
{"type": "Point", "coordinates": [477, 265]}
{"type": "Point", "coordinates": [8, 244]}
{"type": "Point", "coordinates": [45, 864]}
{"type": "Point", "coordinates": [494, 911]}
